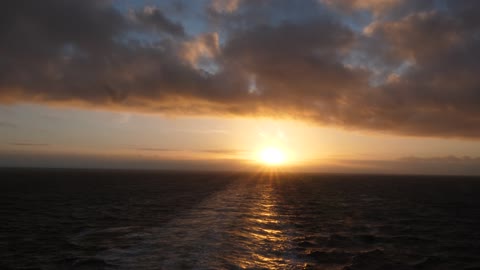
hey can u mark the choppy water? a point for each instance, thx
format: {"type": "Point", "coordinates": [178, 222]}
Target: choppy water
{"type": "Point", "coordinates": [138, 220]}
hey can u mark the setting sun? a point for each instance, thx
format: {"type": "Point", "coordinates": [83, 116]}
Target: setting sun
{"type": "Point", "coordinates": [272, 156]}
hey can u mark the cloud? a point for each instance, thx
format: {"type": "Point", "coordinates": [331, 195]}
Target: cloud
{"type": "Point", "coordinates": [152, 149]}
{"type": "Point", "coordinates": [227, 6]}
{"type": "Point", "coordinates": [28, 144]}
{"type": "Point", "coordinates": [412, 70]}
{"type": "Point", "coordinates": [59, 160]}
{"type": "Point", "coordinates": [380, 9]}
{"type": "Point", "coordinates": [221, 151]}
{"type": "Point", "coordinates": [376, 6]}
{"type": "Point", "coordinates": [446, 165]}
{"type": "Point", "coordinates": [438, 93]}
{"type": "Point", "coordinates": [153, 18]}
{"type": "Point", "coordinates": [205, 46]}
{"type": "Point", "coordinates": [454, 159]}
{"type": "Point", "coordinates": [204, 131]}
{"type": "Point", "coordinates": [434, 165]}
{"type": "Point", "coordinates": [207, 151]}
{"type": "Point", "coordinates": [4, 124]}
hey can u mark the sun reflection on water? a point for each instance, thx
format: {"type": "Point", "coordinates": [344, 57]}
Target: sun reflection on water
{"type": "Point", "coordinates": [240, 227]}
{"type": "Point", "coordinates": [267, 241]}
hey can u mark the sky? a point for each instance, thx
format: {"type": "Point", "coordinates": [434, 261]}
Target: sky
{"type": "Point", "coordinates": [369, 86]}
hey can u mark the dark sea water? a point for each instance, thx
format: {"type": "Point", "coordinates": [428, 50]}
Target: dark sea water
{"type": "Point", "coordinates": [67, 219]}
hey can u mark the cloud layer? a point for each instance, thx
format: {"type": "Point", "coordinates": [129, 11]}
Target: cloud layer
{"type": "Point", "coordinates": [405, 67]}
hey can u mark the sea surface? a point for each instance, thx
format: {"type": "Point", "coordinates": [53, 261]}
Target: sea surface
{"type": "Point", "coordinates": [80, 219]}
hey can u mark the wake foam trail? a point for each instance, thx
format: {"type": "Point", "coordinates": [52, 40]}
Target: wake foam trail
{"type": "Point", "coordinates": [238, 227]}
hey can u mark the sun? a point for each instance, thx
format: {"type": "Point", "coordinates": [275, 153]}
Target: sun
{"type": "Point", "coordinates": [272, 156]}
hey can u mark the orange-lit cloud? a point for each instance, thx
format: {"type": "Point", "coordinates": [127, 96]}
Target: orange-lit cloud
{"type": "Point", "coordinates": [225, 5]}
{"type": "Point", "coordinates": [203, 46]}
{"type": "Point", "coordinates": [376, 6]}
{"type": "Point", "coordinates": [412, 70]}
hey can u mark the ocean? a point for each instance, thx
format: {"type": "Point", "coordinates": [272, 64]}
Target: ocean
{"type": "Point", "coordinates": [100, 219]}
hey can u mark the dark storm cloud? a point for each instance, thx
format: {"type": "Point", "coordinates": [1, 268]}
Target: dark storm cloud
{"type": "Point", "coordinates": [412, 70]}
